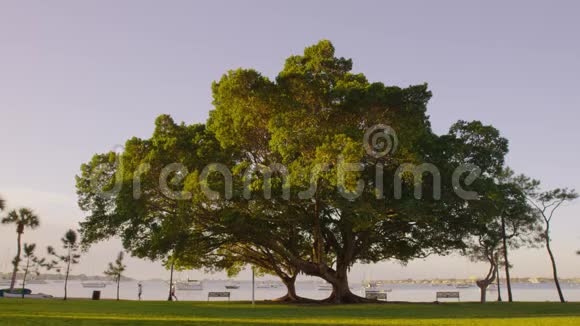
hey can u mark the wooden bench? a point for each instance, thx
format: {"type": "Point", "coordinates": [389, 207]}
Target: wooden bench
{"type": "Point", "coordinates": [447, 295]}
{"type": "Point", "coordinates": [218, 295]}
{"type": "Point", "coordinates": [376, 295]}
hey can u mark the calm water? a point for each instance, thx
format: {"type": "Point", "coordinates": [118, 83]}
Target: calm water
{"type": "Point", "coordinates": [158, 290]}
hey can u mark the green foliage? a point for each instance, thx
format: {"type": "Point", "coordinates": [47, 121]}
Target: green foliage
{"type": "Point", "coordinates": [116, 269]}
{"type": "Point", "coordinates": [71, 256]}
{"type": "Point", "coordinates": [306, 127]}
{"type": "Point", "coordinates": [22, 218]}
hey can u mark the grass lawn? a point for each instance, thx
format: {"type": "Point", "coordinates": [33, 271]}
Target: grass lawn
{"type": "Point", "coordinates": [85, 312]}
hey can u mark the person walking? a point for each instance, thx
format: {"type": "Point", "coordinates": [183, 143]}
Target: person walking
{"type": "Point", "coordinates": [139, 290]}
{"type": "Point", "coordinates": [173, 296]}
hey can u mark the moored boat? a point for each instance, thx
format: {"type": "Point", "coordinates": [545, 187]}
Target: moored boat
{"type": "Point", "coordinates": [190, 285]}
{"type": "Point", "coordinates": [27, 296]}
{"type": "Point", "coordinates": [94, 285]}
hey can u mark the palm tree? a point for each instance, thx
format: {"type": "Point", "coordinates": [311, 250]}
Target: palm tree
{"type": "Point", "coordinates": [22, 218]}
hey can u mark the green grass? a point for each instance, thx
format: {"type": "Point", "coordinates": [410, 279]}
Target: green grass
{"type": "Point", "coordinates": [85, 312]}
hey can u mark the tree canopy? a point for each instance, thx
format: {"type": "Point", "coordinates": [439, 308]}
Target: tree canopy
{"type": "Point", "coordinates": [308, 172]}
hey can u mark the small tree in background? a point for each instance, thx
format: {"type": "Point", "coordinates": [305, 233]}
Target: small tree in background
{"type": "Point", "coordinates": [71, 257]}
{"type": "Point", "coordinates": [116, 270]}
{"type": "Point", "coordinates": [22, 218]}
{"type": "Point", "coordinates": [32, 263]}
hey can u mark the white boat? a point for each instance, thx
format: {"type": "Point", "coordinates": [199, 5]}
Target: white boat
{"type": "Point", "coordinates": [94, 285]}
{"type": "Point", "coordinates": [27, 296]}
{"type": "Point", "coordinates": [232, 286]}
{"type": "Point", "coordinates": [189, 285]}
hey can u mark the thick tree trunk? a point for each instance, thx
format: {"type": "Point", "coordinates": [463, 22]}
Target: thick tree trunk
{"type": "Point", "coordinates": [291, 296]}
{"type": "Point", "coordinates": [170, 298]}
{"type": "Point", "coordinates": [340, 290]}
{"type": "Point", "coordinates": [554, 268]}
{"type": "Point", "coordinates": [16, 262]}
{"type": "Point", "coordinates": [489, 279]}
{"type": "Point", "coordinates": [506, 260]}
{"type": "Point", "coordinates": [341, 294]}
{"type": "Point", "coordinates": [483, 290]}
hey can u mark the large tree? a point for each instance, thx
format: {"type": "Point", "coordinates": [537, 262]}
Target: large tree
{"type": "Point", "coordinates": [23, 218]}
{"type": "Point", "coordinates": [312, 120]}
{"type": "Point", "coordinates": [323, 169]}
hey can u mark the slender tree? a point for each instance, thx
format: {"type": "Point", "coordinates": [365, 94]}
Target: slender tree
{"type": "Point", "coordinates": [32, 263]}
{"type": "Point", "coordinates": [23, 218]}
{"type": "Point", "coordinates": [115, 270]}
{"type": "Point", "coordinates": [499, 298]}
{"type": "Point", "coordinates": [519, 222]}
{"type": "Point", "coordinates": [71, 257]}
{"type": "Point", "coordinates": [2, 204]}
{"type": "Point", "coordinates": [546, 203]}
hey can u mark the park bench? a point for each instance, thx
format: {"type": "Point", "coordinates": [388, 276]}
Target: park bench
{"type": "Point", "coordinates": [447, 295]}
{"type": "Point", "coordinates": [376, 295]}
{"type": "Point", "coordinates": [218, 295]}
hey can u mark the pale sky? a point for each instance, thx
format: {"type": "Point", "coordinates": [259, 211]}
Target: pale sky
{"type": "Point", "coordinates": [80, 77]}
